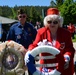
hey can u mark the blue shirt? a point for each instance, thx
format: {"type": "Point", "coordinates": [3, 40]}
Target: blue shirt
{"type": "Point", "coordinates": [22, 35]}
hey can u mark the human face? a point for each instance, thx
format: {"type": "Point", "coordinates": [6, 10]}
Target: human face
{"type": "Point", "coordinates": [22, 18]}
{"type": "Point", "coordinates": [53, 24]}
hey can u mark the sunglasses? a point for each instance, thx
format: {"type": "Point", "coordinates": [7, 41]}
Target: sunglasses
{"type": "Point", "coordinates": [22, 16]}
{"type": "Point", "coordinates": [54, 22]}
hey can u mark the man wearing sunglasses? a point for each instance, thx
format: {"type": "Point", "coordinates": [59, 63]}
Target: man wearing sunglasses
{"type": "Point", "coordinates": [57, 37]}
{"type": "Point", "coordinates": [22, 32]}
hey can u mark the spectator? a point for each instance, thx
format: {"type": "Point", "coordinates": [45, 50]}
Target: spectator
{"type": "Point", "coordinates": [59, 38]}
{"type": "Point", "coordinates": [38, 25]}
{"type": "Point", "coordinates": [22, 32]}
{"type": "Point", "coordinates": [71, 28]}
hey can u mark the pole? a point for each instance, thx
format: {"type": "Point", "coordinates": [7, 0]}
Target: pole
{"type": "Point", "coordinates": [43, 13]}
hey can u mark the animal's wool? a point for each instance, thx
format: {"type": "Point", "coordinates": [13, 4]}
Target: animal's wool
{"type": "Point", "coordinates": [9, 51]}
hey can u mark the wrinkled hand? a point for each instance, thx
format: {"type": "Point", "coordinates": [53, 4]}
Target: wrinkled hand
{"type": "Point", "coordinates": [67, 59]}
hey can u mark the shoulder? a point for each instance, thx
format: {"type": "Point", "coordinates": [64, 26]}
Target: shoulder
{"type": "Point", "coordinates": [29, 25]}
{"type": "Point", "coordinates": [14, 25]}
{"type": "Point", "coordinates": [64, 31]}
{"type": "Point", "coordinates": [42, 30]}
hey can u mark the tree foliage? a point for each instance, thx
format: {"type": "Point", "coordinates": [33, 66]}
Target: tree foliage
{"type": "Point", "coordinates": [68, 11]}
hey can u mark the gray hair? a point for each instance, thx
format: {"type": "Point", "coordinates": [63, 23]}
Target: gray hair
{"type": "Point", "coordinates": [47, 18]}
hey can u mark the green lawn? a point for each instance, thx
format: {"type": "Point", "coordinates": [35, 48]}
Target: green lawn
{"type": "Point", "coordinates": [74, 40]}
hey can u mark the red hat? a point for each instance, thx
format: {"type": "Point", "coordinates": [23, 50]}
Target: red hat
{"type": "Point", "coordinates": [52, 11]}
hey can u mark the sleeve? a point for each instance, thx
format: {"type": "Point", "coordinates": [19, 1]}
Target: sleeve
{"type": "Point", "coordinates": [34, 44]}
{"type": "Point", "coordinates": [69, 49]}
{"type": "Point", "coordinates": [10, 35]}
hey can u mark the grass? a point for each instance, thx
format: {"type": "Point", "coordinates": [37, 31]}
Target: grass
{"type": "Point", "coordinates": [74, 40]}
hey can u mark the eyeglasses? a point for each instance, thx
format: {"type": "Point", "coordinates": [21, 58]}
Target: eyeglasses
{"type": "Point", "coordinates": [54, 22]}
{"type": "Point", "coordinates": [22, 16]}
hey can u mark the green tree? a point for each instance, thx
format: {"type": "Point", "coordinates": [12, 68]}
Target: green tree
{"type": "Point", "coordinates": [52, 3]}
{"type": "Point", "coordinates": [0, 11]}
{"type": "Point", "coordinates": [6, 11]}
{"type": "Point", "coordinates": [33, 15]}
{"type": "Point", "coordinates": [68, 11]}
{"type": "Point", "coordinates": [14, 14]}
{"type": "Point", "coordinates": [59, 2]}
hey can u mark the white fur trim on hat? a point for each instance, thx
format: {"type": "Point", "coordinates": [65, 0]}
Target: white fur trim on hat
{"type": "Point", "coordinates": [48, 17]}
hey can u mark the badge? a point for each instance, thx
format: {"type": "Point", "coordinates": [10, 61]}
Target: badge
{"type": "Point", "coordinates": [18, 36]}
{"type": "Point", "coordinates": [62, 45]}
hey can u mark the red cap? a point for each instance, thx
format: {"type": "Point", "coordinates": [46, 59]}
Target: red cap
{"type": "Point", "coordinates": [52, 11]}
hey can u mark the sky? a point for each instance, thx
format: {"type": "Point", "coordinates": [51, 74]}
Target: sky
{"type": "Point", "coordinates": [12, 3]}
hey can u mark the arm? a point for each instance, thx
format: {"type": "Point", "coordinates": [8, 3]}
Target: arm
{"type": "Point", "coordinates": [10, 35]}
{"type": "Point", "coordinates": [69, 49]}
{"type": "Point", "coordinates": [68, 52]}
{"type": "Point", "coordinates": [37, 39]}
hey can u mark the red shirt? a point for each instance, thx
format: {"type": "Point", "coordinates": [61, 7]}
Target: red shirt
{"type": "Point", "coordinates": [71, 28]}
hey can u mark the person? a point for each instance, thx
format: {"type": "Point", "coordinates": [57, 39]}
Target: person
{"type": "Point", "coordinates": [38, 25]}
{"type": "Point", "coordinates": [22, 32]}
{"type": "Point", "coordinates": [54, 33]}
{"type": "Point", "coordinates": [71, 28]}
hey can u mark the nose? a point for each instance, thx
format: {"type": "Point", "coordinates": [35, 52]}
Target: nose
{"type": "Point", "coordinates": [52, 24]}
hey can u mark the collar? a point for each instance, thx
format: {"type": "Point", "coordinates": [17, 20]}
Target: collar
{"type": "Point", "coordinates": [19, 25]}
